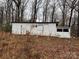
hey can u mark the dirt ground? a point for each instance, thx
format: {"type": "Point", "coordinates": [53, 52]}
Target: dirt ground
{"type": "Point", "coordinates": [37, 47]}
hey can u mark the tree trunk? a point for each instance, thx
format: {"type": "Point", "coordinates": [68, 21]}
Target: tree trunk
{"type": "Point", "coordinates": [12, 14]}
{"type": "Point", "coordinates": [22, 15]}
{"type": "Point", "coordinates": [78, 21]}
{"type": "Point", "coordinates": [70, 17]}
{"type": "Point", "coordinates": [35, 11]}
{"type": "Point", "coordinates": [63, 21]}
{"type": "Point", "coordinates": [18, 19]}
{"type": "Point", "coordinates": [53, 12]}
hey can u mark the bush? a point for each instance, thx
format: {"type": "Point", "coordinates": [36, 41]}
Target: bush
{"type": "Point", "coordinates": [7, 27]}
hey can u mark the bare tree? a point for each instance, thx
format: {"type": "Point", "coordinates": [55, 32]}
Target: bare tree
{"type": "Point", "coordinates": [78, 19]}
{"type": "Point", "coordinates": [18, 4]}
{"type": "Point", "coordinates": [53, 7]}
{"type": "Point", "coordinates": [72, 5]}
{"type": "Point", "coordinates": [8, 10]}
{"type": "Point", "coordinates": [35, 8]}
{"type": "Point", "coordinates": [45, 9]}
{"type": "Point", "coordinates": [53, 12]}
{"type": "Point", "coordinates": [20, 8]}
{"type": "Point", "coordinates": [12, 12]}
{"type": "Point", "coordinates": [23, 7]}
{"type": "Point", "coordinates": [63, 7]}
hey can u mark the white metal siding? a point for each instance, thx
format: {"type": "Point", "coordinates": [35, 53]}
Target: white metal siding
{"type": "Point", "coordinates": [38, 29]}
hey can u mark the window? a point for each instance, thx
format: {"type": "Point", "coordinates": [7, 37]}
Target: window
{"type": "Point", "coordinates": [65, 30]}
{"type": "Point", "coordinates": [59, 30]}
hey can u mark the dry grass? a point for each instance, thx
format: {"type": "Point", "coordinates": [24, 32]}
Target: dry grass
{"type": "Point", "coordinates": [37, 47]}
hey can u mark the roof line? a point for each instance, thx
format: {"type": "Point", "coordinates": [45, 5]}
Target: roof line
{"type": "Point", "coordinates": [34, 22]}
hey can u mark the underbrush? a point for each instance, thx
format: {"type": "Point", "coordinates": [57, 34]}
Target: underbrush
{"type": "Point", "coordinates": [37, 47]}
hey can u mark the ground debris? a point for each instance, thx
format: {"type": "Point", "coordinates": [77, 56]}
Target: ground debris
{"type": "Point", "coordinates": [37, 47]}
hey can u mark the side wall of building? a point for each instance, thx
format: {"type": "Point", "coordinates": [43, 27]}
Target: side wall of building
{"type": "Point", "coordinates": [47, 29]}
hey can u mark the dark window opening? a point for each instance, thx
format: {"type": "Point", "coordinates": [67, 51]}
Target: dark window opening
{"type": "Point", "coordinates": [59, 30]}
{"type": "Point", "coordinates": [65, 30]}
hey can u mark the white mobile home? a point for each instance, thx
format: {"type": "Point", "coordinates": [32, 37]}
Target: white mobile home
{"type": "Point", "coordinates": [38, 28]}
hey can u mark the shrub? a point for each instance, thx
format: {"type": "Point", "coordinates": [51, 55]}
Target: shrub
{"type": "Point", "coordinates": [7, 27]}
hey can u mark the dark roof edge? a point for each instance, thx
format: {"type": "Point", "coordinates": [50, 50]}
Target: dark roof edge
{"type": "Point", "coordinates": [35, 22]}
